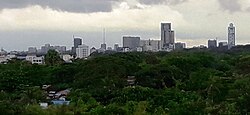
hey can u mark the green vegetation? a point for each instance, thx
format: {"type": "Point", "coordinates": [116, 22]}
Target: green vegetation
{"type": "Point", "coordinates": [185, 82]}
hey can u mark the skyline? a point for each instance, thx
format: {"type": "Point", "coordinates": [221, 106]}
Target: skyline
{"type": "Point", "coordinates": [34, 23]}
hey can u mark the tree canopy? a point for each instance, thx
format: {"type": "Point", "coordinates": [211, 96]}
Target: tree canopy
{"type": "Point", "coordinates": [182, 82]}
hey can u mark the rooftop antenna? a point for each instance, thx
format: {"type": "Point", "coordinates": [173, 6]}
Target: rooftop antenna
{"type": "Point", "coordinates": [104, 35]}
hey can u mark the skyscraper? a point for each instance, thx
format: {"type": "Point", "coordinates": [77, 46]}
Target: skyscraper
{"type": "Point", "coordinates": [167, 37]}
{"type": "Point", "coordinates": [131, 42]}
{"type": "Point", "coordinates": [77, 42]}
{"type": "Point", "coordinates": [231, 36]}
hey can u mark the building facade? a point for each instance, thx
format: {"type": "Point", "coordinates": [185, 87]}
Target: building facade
{"type": "Point", "coordinates": [231, 36]}
{"type": "Point", "coordinates": [131, 42]}
{"type": "Point", "coordinates": [151, 45]}
{"type": "Point", "coordinates": [167, 37]}
{"type": "Point", "coordinates": [82, 51]}
{"type": "Point", "coordinates": [212, 43]}
{"type": "Point", "coordinates": [77, 42]}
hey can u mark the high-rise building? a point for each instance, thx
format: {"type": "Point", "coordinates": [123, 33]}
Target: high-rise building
{"type": "Point", "coordinates": [131, 42]}
{"type": "Point", "coordinates": [167, 37]}
{"type": "Point", "coordinates": [82, 51]}
{"type": "Point", "coordinates": [212, 43]}
{"type": "Point", "coordinates": [77, 42]}
{"type": "Point", "coordinates": [231, 36]}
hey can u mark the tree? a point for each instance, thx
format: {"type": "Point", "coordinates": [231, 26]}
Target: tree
{"type": "Point", "coordinates": [53, 58]}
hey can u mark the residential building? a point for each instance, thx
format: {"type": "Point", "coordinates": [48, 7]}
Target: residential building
{"type": "Point", "coordinates": [231, 36]}
{"type": "Point", "coordinates": [167, 37]}
{"type": "Point", "coordinates": [38, 60]}
{"type": "Point", "coordinates": [131, 42]}
{"type": "Point", "coordinates": [82, 51]}
{"type": "Point", "coordinates": [34, 59]}
{"type": "Point", "coordinates": [212, 43]}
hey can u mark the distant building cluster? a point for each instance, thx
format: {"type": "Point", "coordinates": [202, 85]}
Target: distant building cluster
{"type": "Point", "coordinates": [130, 43]}
{"type": "Point", "coordinates": [213, 43]}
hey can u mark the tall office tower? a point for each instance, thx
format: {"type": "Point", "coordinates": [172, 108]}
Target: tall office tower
{"type": "Point", "coordinates": [77, 42]}
{"type": "Point", "coordinates": [82, 51]}
{"type": "Point", "coordinates": [212, 43]}
{"type": "Point", "coordinates": [131, 42]}
{"type": "Point", "coordinates": [231, 36]}
{"type": "Point", "coordinates": [167, 37]}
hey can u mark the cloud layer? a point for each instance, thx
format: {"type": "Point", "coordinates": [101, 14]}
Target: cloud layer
{"type": "Point", "coordinates": [194, 21]}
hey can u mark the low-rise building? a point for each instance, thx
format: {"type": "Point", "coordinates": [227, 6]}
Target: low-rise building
{"type": "Point", "coordinates": [34, 59]}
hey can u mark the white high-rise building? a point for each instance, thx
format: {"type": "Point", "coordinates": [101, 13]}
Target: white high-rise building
{"type": "Point", "coordinates": [82, 51]}
{"type": "Point", "coordinates": [167, 37]}
{"type": "Point", "coordinates": [231, 36]}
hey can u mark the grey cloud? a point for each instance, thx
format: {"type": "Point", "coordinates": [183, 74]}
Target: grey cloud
{"type": "Point", "coordinates": [64, 5]}
{"type": "Point", "coordinates": [171, 2]}
{"type": "Point", "coordinates": [230, 5]}
{"type": "Point", "coordinates": [248, 9]}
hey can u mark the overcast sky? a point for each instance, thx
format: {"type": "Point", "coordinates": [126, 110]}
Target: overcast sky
{"type": "Point", "coordinates": [25, 23]}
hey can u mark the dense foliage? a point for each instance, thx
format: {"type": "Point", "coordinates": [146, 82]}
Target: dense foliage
{"type": "Point", "coordinates": [184, 82]}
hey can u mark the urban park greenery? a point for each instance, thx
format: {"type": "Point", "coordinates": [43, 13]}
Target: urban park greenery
{"type": "Point", "coordinates": [181, 82]}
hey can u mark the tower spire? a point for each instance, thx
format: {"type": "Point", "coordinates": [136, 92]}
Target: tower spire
{"type": "Point", "coordinates": [104, 35]}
